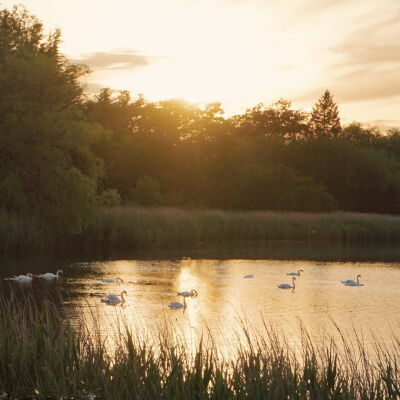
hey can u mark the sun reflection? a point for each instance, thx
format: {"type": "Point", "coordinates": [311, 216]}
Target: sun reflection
{"type": "Point", "coordinates": [226, 302]}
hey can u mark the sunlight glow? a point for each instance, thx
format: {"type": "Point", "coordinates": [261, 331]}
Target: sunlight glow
{"type": "Point", "coordinates": [238, 52]}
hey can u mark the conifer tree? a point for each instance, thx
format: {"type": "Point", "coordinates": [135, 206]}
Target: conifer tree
{"type": "Point", "coordinates": [325, 119]}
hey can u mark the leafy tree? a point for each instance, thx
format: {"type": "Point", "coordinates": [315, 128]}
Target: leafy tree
{"type": "Point", "coordinates": [360, 178]}
{"type": "Point", "coordinates": [115, 112]}
{"type": "Point", "coordinates": [146, 192]}
{"type": "Point", "coordinates": [360, 135]}
{"type": "Point", "coordinates": [109, 198]}
{"type": "Point", "coordinates": [390, 143]}
{"type": "Point", "coordinates": [325, 119]}
{"type": "Point", "coordinates": [280, 188]}
{"type": "Point", "coordinates": [278, 120]}
{"type": "Point", "coordinates": [47, 167]}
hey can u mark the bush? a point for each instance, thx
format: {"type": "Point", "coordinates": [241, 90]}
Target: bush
{"type": "Point", "coordinates": [109, 198]}
{"type": "Point", "coordinates": [146, 192]}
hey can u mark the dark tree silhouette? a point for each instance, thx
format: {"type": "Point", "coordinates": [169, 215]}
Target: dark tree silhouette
{"type": "Point", "coordinates": [47, 167]}
{"type": "Point", "coordinates": [325, 119]}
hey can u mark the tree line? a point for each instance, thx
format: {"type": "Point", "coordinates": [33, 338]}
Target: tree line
{"type": "Point", "coordinates": [63, 155]}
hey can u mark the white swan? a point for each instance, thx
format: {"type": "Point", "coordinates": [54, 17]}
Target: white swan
{"type": "Point", "coordinates": [23, 278]}
{"type": "Point", "coordinates": [248, 276]}
{"type": "Point", "coordinates": [295, 273]}
{"type": "Point", "coordinates": [50, 275]}
{"type": "Point", "coordinates": [113, 299]}
{"type": "Point", "coordinates": [351, 282]}
{"type": "Point", "coordinates": [109, 280]}
{"type": "Point", "coordinates": [192, 293]}
{"type": "Point", "coordinates": [175, 305]}
{"type": "Point", "coordinates": [287, 285]}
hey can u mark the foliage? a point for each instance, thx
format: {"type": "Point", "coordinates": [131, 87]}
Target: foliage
{"type": "Point", "coordinates": [146, 192]}
{"type": "Point", "coordinates": [109, 198]}
{"type": "Point", "coordinates": [267, 158]}
{"type": "Point", "coordinates": [360, 178]}
{"type": "Point", "coordinates": [325, 119]}
{"type": "Point", "coordinates": [362, 136]}
{"type": "Point", "coordinates": [47, 167]}
{"type": "Point", "coordinates": [278, 120]}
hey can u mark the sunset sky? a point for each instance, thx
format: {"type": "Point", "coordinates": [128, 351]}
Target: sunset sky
{"type": "Point", "coordinates": [238, 52]}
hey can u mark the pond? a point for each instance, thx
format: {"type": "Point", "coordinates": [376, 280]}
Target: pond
{"type": "Point", "coordinates": [226, 300]}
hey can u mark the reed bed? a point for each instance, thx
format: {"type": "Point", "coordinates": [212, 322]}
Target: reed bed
{"type": "Point", "coordinates": [137, 227]}
{"type": "Point", "coordinates": [132, 228]}
{"type": "Point", "coordinates": [46, 355]}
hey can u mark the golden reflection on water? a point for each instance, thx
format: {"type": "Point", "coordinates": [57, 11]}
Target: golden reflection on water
{"type": "Point", "coordinates": [226, 299]}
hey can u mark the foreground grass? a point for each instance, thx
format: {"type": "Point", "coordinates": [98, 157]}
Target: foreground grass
{"type": "Point", "coordinates": [43, 355]}
{"type": "Point", "coordinates": [129, 228]}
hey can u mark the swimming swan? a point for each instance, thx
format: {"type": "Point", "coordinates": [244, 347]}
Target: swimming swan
{"type": "Point", "coordinates": [109, 280]}
{"type": "Point", "coordinates": [351, 282]}
{"type": "Point", "coordinates": [50, 275]}
{"type": "Point", "coordinates": [192, 293]}
{"type": "Point", "coordinates": [23, 278]}
{"type": "Point", "coordinates": [287, 286]}
{"type": "Point", "coordinates": [113, 299]}
{"type": "Point", "coordinates": [295, 273]}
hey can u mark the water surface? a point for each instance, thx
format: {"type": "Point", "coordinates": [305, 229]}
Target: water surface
{"type": "Point", "coordinates": [226, 298]}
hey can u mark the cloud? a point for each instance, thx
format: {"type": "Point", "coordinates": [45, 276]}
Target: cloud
{"type": "Point", "coordinates": [312, 6]}
{"type": "Point", "coordinates": [369, 84]}
{"type": "Point", "coordinates": [121, 59]}
{"type": "Point", "coordinates": [375, 43]}
{"type": "Point", "coordinates": [384, 123]}
{"type": "Point", "coordinates": [365, 64]}
{"type": "Point", "coordinates": [359, 85]}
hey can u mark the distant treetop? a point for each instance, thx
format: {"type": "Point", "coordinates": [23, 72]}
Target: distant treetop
{"type": "Point", "coordinates": [325, 119]}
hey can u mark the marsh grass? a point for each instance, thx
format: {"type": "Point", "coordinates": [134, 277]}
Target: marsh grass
{"type": "Point", "coordinates": [132, 228]}
{"type": "Point", "coordinates": [44, 354]}
{"type": "Point", "coordinates": [136, 227]}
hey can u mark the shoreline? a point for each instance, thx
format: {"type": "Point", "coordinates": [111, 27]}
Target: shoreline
{"type": "Point", "coordinates": [132, 229]}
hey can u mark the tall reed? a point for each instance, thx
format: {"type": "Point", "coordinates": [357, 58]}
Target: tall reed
{"type": "Point", "coordinates": [45, 353]}
{"type": "Point", "coordinates": [131, 228]}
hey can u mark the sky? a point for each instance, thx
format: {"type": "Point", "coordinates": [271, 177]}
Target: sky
{"type": "Point", "coordinates": [238, 52]}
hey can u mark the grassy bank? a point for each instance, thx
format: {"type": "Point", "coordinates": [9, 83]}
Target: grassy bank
{"type": "Point", "coordinates": [42, 355]}
{"type": "Point", "coordinates": [124, 227]}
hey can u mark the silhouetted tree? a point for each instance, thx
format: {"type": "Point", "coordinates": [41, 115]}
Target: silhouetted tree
{"type": "Point", "coordinates": [325, 119]}
{"type": "Point", "coordinates": [47, 167]}
{"type": "Point", "coordinates": [278, 120]}
{"type": "Point", "coordinates": [360, 135]}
